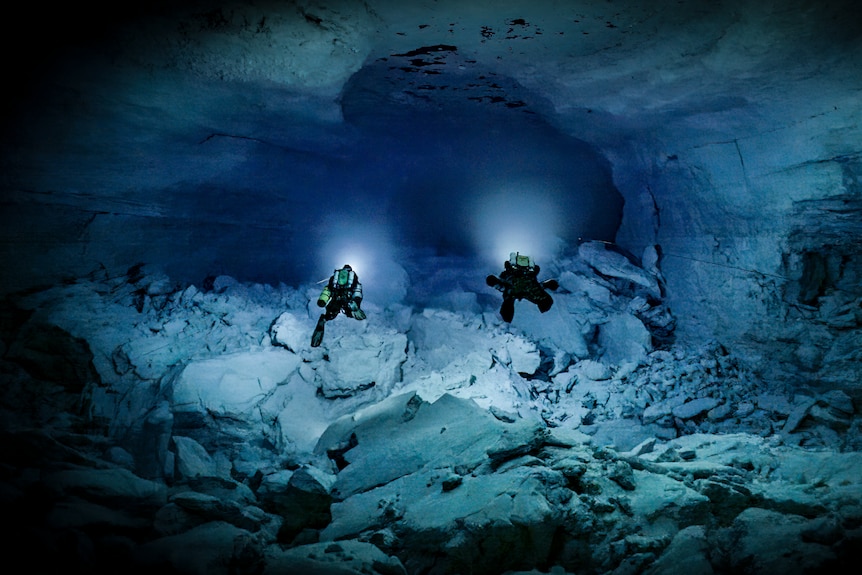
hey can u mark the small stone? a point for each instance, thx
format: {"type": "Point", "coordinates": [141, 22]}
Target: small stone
{"type": "Point", "coordinates": [687, 454]}
{"type": "Point", "coordinates": [452, 482]}
{"type": "Point", "coordinates": [744, 409]}
{"type": "Point", "coordinates": [720, 412]}
{"type": "Point", "coordinates": [670, 455]}
{"type": "Point", "coordinates": [621, 474]}
{"type": "Point", "coordinates": [694, 407]}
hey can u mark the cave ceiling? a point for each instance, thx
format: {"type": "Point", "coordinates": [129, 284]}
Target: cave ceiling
{"type": "Point", "coordinates": [154, 111]}
{"type": "Point", "coordinates": [605, 70]}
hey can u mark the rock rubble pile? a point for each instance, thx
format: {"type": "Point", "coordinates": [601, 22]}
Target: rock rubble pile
{"type": "Point", "coordinates": [161, 426]}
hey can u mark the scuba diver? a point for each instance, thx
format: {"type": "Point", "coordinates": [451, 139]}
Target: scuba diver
{"type": "Point", "coordinates": [343, 293]}
{"type": "Point", "coordinates": [519, 281]}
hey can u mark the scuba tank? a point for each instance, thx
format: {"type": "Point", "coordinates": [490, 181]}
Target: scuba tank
{"type": "Point", "coordinates": [324, 297]}
{"type": "Point", "coordinates": [341, 280]}
{"type": "Point", "coordinates": [344, 277]}
{"type": "Point", "coordinates": [521, 261]}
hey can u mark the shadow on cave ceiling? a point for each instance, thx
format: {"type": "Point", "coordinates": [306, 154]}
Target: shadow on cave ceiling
{"type": "Point", "coordinates": [453, 136]}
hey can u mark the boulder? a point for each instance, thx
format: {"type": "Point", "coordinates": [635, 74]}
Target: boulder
{"type": "Point", "coordinates": [347, 557]}
{"type": "Point", "coordinates": [192, 459]}
{"type": "Point", "coordinates": [766, 542]}
{"type": "Point", "coordinates": [233, 384]}
{"type": "Point", "coordinates": [659, 495]}
{"type": "Point", "coordinates": [50, 353]}
{"type": "Point", "coordinates": [214, 548]}
{"type": "Point", "coordinates": [663, 408]}
{"type": "Point", "coordinates": [295, 415]}
{"type": "Point", "coordinates": [624, 338]}
{"type": "Point", "coordinates": [687, 554]}
{"type": "Point", "coordinates": [492, 521]}
{"type": "Point", "coordinates": [291, 332]}
{"type": "Point", "coordinates": [613, 264]}
{"type": "Point", "coordinates": [520, 354]}
{"type": "Point", "coordinates": [450, 476]}
{"type": "Point", "coordinates": [117, 488]}
{"type": "Point", "coordinates": [354, 364]}
{"type": "Point", "coordinates": [695, 407]}
{"type": "Point", "coordinates": [303, 503]}
{"type": "Point", "coordinates": [450, 432]}
{"type": "Point", "coordinates": [567, 326]}
{"type": "Point", "coordinates": [189, 509]}
{"type": "Point", "coordinates": [592, 369]}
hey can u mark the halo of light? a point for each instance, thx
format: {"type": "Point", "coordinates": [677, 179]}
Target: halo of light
{"type": "Point", "coordinates": [517, 217]}
{"type": "Point", "coordinates": [367, 247]}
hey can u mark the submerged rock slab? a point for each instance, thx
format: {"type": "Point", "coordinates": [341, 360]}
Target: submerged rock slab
{"type": "Point", "coordinates": [333, 558]}
{"type": "Point", "coordinates": [359, 362]}
{"type": "Point", "coordinates": [447, 434]}
{"type": "Point", "coordinates": [615, 265]}
{"type": "Point", "coordinates": [232, 384]}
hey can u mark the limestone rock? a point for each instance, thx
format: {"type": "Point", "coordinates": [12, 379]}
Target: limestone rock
{"type": "Point", "coordinates": [688, 553]}
{"type": "Point", "coordinates": [623, 337]}
{"type": "Point", "coordinates": [359, 363]}
{"type": "Point", "coordinates": [192, 459]}
{"type": "Point", "coordinates": [51, 353]}
{"type": "Point", "coordinates": [695, 407]}
{"type": "Point", "coordinates": [189, 509]}
{"type": "Point", "coordinates": [613, 264]}
{"type": "Point", "coordinates": [215, 547]}
{"type": "Point", "coordinates": [111, 487]}
{"type": "Point", "coordinates": [291, 332]}
{"type": "Point", "coordinates": [768, 542]}
{"type": "Point", "coordinates": [449, 432]}
{"type": "Point", "coordinates": [233, 384]}
{"type": "Point", "coordinates": [302, 503]}
{"type": "Point", "coordinates": [593, 369]}
{"type": "Point", "coordinates": [346, 557]}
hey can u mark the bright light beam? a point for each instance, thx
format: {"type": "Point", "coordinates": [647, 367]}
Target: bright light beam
{"type": "Point", "coordinates": [519, 217]}
{"type": "Point", "coordinates": [368, 249]}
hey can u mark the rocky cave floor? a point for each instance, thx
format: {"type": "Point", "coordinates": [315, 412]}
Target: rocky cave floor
{"type": "Point", "coordinates": [148, 425]}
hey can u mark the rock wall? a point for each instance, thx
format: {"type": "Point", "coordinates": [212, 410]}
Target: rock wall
{"type": "Point", "coordinates": [759, 239]}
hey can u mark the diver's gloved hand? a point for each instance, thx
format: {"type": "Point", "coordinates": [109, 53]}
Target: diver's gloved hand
{"type": "Point", "coordinates": [353, 305]}
{"type": "Point", "coordinates": [321, 303]}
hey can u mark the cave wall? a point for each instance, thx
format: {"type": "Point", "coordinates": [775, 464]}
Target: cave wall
{"type": "Point", "coordinates": [760, 231]}
{"type": "Point", "coordinates": [732, 130]}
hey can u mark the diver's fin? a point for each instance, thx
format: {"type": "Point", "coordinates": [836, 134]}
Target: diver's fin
{"type": "Point", "coordinates": [317, 336]}
{"type": "Point", "coordinates": [507, 310]}
{"type": "Point", "coordinates": [497, 283]}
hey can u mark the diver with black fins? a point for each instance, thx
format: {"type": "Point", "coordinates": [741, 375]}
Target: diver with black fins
{"type": "Point", "coordinates": [519, 280]}
{"type": "Point", "coordinates": [343, 293]}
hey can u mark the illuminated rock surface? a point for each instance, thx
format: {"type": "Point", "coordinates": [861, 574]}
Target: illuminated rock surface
{"type": "Point", "coordinates": [178, 181]}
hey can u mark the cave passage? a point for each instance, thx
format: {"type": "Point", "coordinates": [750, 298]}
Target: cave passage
{"type": "Point", "coordinates": [177, 186]}
{"type": "Point", "coordinates": [460, 179]}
